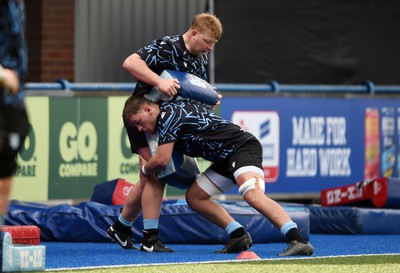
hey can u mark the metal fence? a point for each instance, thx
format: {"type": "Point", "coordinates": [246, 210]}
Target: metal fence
{"type": "Point", "coordinates": [270, 87]}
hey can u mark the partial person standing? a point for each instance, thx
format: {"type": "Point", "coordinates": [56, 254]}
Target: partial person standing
{"type": "Point", "coordinates": [13, 117]}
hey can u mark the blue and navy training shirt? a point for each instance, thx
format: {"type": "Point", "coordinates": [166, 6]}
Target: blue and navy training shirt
{"type": "Point", "coordinates": [13, 53]}
{"type": "Point", "coordinates": [198, 132]}
{"type": "Point", "coordinates": [170, 52]}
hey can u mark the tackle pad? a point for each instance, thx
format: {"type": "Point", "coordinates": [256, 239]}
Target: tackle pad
{"type": "Point", "coordinates": [193, 88]}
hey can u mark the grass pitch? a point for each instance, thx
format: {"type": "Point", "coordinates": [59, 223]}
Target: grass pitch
{"type": "Point", "coordinates": [347, 264]}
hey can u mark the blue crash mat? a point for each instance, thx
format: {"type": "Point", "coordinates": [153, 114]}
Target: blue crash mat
{"type": "Point", "coordinates": [88, 221]}
{"type": "Point", "coordinates": [353, 220]}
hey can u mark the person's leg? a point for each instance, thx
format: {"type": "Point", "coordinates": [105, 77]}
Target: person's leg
{"type": "Point", "coordinates": [252, 187]}
{"type": "Point", "coordinates": [249, 177]}
{"type": "Point", "coordinates": [151, 201]}
{"type": "Point", "coordinates": [200, 202]}
{"type": "Point", "coordinates": [5, 191]}
{"type": "Point", "coordinates": [14, 128]}
{"type": "Point", "coordinates": [152, 196]}
{"type": "Point", "coordinates": [151, 205]}
{"type": "Point", "coordinates": [261, 202]}
{"type": "Point", "coordinates": [133, 206]}
{"type": "Point", "coordinates": [198, 197]}
{"type": "Point", "coordinates": [121, 230]}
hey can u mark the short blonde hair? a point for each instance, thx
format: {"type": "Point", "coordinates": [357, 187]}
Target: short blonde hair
{"type": "Point", "coordinates": [207, 23]}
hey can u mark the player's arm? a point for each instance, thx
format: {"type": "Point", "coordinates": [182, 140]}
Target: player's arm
{"type": "Point", "coordinates": [139, 69]}
{"type": "Point", "coordinates": [159, 160]}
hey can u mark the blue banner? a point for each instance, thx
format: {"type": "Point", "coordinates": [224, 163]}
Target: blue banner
{"type": "Point", "coordinates": [311, 144]}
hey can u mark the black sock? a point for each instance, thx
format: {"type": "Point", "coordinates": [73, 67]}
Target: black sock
{"type": "Point", "coordinates": [148, 232]}
{"type": "Point", "coordinates": [237, 233]}
{"type": "Point", "coordinates": [120, 227]}
{"type": "Point", "coordinates": [294, 235]}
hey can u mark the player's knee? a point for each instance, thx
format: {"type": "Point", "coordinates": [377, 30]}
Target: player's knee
{"type": "Point", "coordinates": [252, 184]}
{"type": "Point", "coordinates": [254, 199]}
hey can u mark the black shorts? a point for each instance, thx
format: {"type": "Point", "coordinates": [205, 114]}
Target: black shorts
{"type": "Point", "coordinates": [14, 128]}
{"type": "Point", "coordinates": [249, 154]}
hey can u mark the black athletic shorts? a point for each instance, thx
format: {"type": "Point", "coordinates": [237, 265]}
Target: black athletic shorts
{"type": "Point", "coordinates": [14, 128]}
{"type": "Point", "coordinates": [249, 154]}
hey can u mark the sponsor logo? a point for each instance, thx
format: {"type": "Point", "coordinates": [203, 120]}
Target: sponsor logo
{"type": "Point", "coordinates": [196, 81]}
{"type": "Point", "coordinates": [78, 150]}
{"type": "Point", "coordinates": [121, 242]}
{"type": "Point", "coordinates": [27, 164]}
{"type": "Point", "coordinates": [148, 249]}
{"type": "Point", "coordinates": [264, 125]}
{"type": "Point", "coordinates": [319, 145]}
{"type": "Point", "coordinates": [126, 190]}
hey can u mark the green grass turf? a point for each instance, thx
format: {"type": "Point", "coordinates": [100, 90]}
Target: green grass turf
{"type": "Point", "coordinates": [348, 264]}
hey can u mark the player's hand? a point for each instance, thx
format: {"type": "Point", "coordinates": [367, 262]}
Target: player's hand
{"type": "Point", "coordinates": [10, 81]}
{"type": "Point", "coordinates": [219, 99]}
{"type": "Point", "coordinates": [169, 87]}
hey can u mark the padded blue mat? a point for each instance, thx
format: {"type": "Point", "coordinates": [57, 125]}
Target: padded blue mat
{"type": "Point", "coordinates": [353, 220]}
{"type": "Point", "coordinates": [88, 221]}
